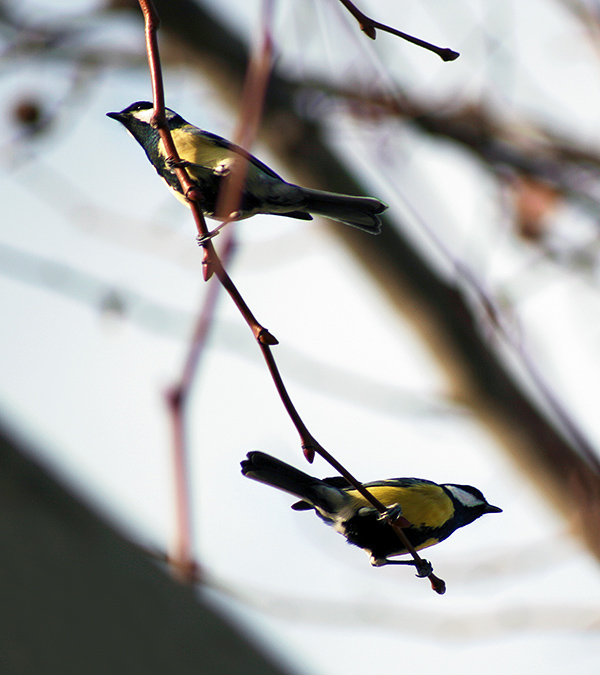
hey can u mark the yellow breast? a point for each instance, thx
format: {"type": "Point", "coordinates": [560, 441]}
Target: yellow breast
{"type": "Point", "coordinates": [423, 505]}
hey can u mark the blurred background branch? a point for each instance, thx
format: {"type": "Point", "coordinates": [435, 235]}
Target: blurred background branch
{"type": "Point", "coordinates": [440, 310]}
{"type": "Point", "coordinates": [538, 181]}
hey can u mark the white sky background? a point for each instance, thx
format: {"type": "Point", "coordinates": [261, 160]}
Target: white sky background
{"type": "Point", "coordinates": [88, 385]}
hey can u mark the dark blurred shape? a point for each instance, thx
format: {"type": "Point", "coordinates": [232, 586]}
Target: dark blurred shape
{"type": "Point", "coordinates": [113, 303]}
{"type": "Point", "coordinates": [28, 114]}
{"type": "Point", "coordinates": [534, 202]}
{"type": "Point", "coordinates": [550, 447]}
{"type": "Point", "coordinates": [77, 597]}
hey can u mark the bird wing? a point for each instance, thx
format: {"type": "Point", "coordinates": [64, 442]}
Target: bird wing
{"type": "Point", "coordinates": [423, 503]}
{"type": "Point", "coordinates": [206, 149]}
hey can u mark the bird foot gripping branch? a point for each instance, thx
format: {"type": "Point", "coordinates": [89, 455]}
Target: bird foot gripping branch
{"type": "Point", "coordinates": [203, 239]}
{"type": "Point", "coordinates": [428, 512]}
{"type": "Point", "coordinates": [394, 516]}
{"type": "Point", "coordinates": [207, 158]}
{"type": "Point", "coordinates": [424, 567]}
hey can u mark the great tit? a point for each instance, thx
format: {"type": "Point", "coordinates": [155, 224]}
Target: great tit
{"type": "Point", "coordinates": [430, 512]}
{"type": "Point", "coordinates": [208, 158]}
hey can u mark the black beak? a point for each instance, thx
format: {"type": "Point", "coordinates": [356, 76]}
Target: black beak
{"type": "Point", "coordinates": [115, 116]}
{"type": "Point", "coordinates": [492, 509]}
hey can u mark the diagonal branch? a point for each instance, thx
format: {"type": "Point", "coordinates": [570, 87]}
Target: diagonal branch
{"type": "Point", "coordinates": [213, 265]}
{"type": "Point", "coordinates": [369, 26]}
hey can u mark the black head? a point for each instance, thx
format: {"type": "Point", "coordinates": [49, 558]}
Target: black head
{"type": "Point", "coordinates": [469, 502]}
{"type": "Point", "coordinates": [137, 119]}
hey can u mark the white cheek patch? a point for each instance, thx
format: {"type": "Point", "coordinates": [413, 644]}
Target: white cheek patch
{"type": "Point", "coordinates": [144, 115]}
{"type": "Point", "coordinates": [464, 497]}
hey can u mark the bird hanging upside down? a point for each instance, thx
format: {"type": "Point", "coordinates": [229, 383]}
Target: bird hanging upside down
{"type": "Point", "coordinates": [208, 159]}
{"type": "Point", "coordinates": [429, 512]}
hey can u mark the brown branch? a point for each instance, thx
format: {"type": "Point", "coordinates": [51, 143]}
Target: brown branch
{"type": "Point", "coordinates": [252, 101]}
{"type": "Point", "coordinates": [423, 566]}
{"type": "Point", "coordinates": [212, 264]}
{"type": "Point", "coordinates": [310, 446]}
{"type": "Point", "coordinates": [182, 558]}
{"type": "Point", "coordinates": [369, 26]}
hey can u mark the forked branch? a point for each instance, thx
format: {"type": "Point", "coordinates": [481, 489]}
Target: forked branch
{"type": "Point", "coordinates": [213, 265]}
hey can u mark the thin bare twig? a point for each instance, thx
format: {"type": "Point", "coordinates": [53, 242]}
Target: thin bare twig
{"type": "Point", "coordinates": [177, 398]}
{"type": "Point", "coordinates": [253, 96]}
{"type": "Point", "coordinates": [213, 265]}
{"type": "Point", "coordinates": [369, 26]}
{"type": "Point", "coordinates": [182, 559]}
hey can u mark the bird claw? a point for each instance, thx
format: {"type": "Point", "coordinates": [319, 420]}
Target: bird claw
{"type": "Point", "coordinates": [173, 163]}
{"type": "Point", "coordinates": [393, 515]}
{"type": "Point", "coordinates": [203, 239]}
{"type": "Point", "coordinates": [424, 568]}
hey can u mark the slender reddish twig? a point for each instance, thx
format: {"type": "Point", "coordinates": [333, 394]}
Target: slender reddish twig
{"type": "Point", "coordinates": [212, 264]}
{"type": "Point", "coordinates": [369, 26]}
{"type": "Point", "coordinates": [182, 558]}
{"type": "Point", "coordinates": [252, 101]}
{"type": "Point", "coordinates": [177, 397]}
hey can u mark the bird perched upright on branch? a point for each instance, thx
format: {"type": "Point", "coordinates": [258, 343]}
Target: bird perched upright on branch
{"type": "Point", "coordinates": [427, 512]}
{"type": "Point", "coordinates": [208, 159]}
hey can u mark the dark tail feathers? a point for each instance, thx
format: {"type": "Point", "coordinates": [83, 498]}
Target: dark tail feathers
{"type": "Point", "coordinates": [271, 471]}
{"type": "Point", "coordinates": [361, 212]}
